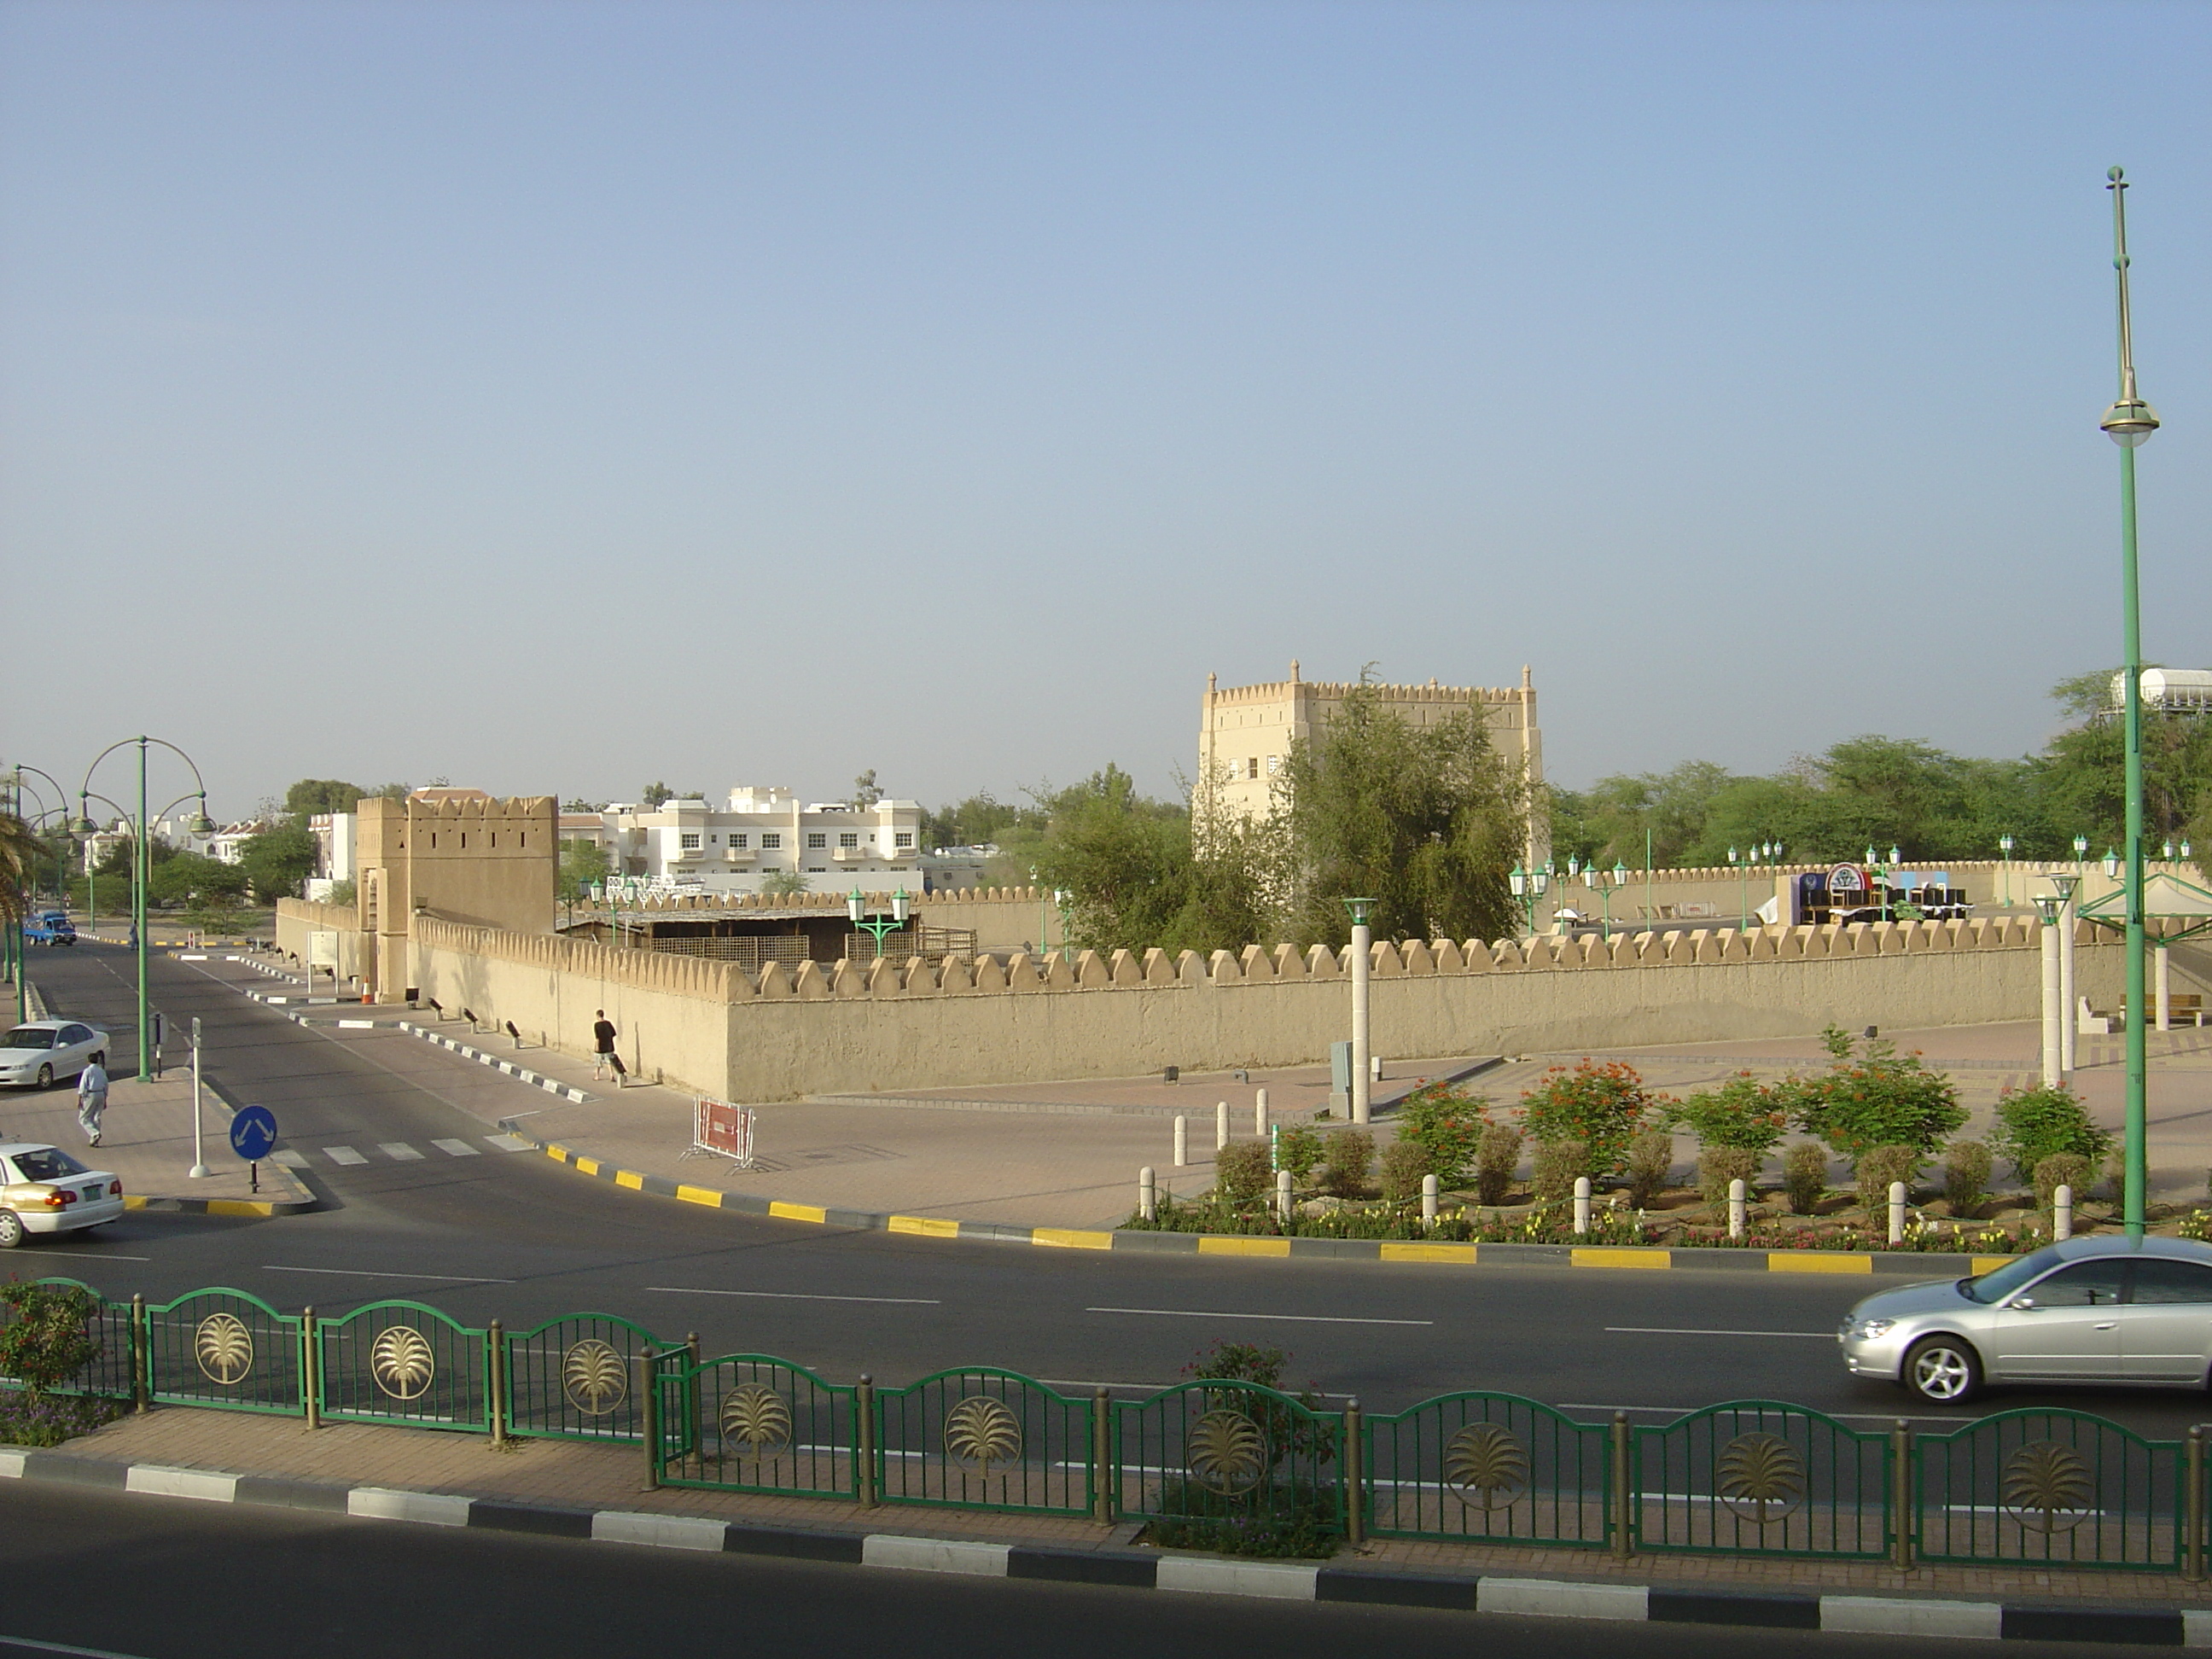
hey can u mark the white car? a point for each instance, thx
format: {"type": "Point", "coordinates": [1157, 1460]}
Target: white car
{"type": "Point", "coordinates": [43, 1190]}
{"type": "Point", "coordinates": [45, 1052]}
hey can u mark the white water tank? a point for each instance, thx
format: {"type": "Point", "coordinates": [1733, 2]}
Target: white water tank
{"type": "Point", "coordinates": [2173, 689]}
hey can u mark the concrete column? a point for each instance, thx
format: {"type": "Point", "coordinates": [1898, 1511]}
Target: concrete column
{"type": "Point", "coordinates": [1897, 1213]}
{"type": "Point", "coordinates": [2068, 996]}
{"type": "Point", "coordinates": [2162, 962]}
{"type": "Point", "coordinates": [2054, 1051]}
{"type": "Point", "coordinates": [2062, 1212]}
{"type": "Point", "coordinates": [1363, 963]}
{"type": "Point", "coordinates": [1428, 1200]}
{"type": "Point", "coordinates": [1181, 1141]}
{"type": "Point", "coordinates": [1283, 1197]}
{"type": "Point", "coordinates": [1148, 1203]}
{"type": "Point", "coordinates": [1582, 1204]}
{"type": "Point", "coordinates": [1221, 1124]}
{"type": "Point", "coordinates": [1738, 1202]}
{"type": "Point", "coordinates": [1260, 1114]}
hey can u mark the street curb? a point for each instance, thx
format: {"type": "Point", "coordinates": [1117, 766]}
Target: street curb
{"type": "Point", "coordinates": [1632, 1258]}
{"type": "Point", "coordinates": [246, 1207]}
{"type": "Point", "coordinates": [1131, 1569]}
{"type": "Point", "coordinates": [521, 1073]}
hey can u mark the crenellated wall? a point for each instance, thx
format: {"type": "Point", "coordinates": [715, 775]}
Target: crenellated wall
{"type": "Point", "coordinates": [297, 918]}
{"type": "Point", "coordinates": [853, 1027]}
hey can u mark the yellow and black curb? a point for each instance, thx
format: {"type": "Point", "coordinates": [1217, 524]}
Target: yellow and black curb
{"type": "Point", "coordinates": [246, 1207]}
{"type": "Point", "coordinates": [1635, 1257]}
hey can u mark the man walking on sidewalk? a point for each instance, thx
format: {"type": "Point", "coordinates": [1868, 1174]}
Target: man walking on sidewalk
{"type": "Point", "coordinates": [603, 1047]}
{"type": "Point", "coordinates": [91, 1100]}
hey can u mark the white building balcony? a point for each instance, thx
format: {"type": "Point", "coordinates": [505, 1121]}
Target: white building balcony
{"type": "Point", "coordinates": [739, 855]}
{"type": "Point", "coordinates": [852, 854]}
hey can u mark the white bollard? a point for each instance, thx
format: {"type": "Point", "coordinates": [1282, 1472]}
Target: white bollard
{"type": "Point", "coordinates": [1148, 1200]}
{"type": "Point", "coordinates": [2162, 963]}
{"type": "Point", "coordinates": [1897, 1213]}
{"type": "Point", "coordinates": [1283, 1196]}
{"type": "Point", "coordinates": [1428, 1200]}
{"type": "Point", "coordinates": [1221, 1124]}
{"type": "Point", "coordinates": [1374, 1068]}
{"type": "Point", "coordinates": [1582, 1204]}
{"type": "Point", "coordinates": [1738, 1207]}
{"type": "Point", "coordinates": [2054, 1010]}
{"type": "Point", "coordinates": [1259, 1113]}
{"type": "Point", "coordinates": [2070, 1029]}
{"type": "Point", "coordinates": [1362, 966]}
{"type": "Point", "coordinates": [1181, 1141]}
{"type": "Point", "coordinates": [2062, 1212]}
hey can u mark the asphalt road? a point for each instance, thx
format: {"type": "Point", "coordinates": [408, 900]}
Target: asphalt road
{"type": "Point", "coordinates": [518, 1238]}
{"type": "Point", "coordinates": [137, 1577]}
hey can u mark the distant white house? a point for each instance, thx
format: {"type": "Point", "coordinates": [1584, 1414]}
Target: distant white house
{"type": "Point", "coordinates": [733, 847]}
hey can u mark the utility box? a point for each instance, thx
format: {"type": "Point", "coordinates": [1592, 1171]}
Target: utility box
{"type": "Point", "coordinates": [1339, 1078]}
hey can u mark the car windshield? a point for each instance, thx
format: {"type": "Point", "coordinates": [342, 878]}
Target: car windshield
{"type": "Point", "coordinates": [1996, 1286]}
{"type": "Point", "coordinates": [30, 1036]}
{"type": "Point", "coordinates": [48, 1163]}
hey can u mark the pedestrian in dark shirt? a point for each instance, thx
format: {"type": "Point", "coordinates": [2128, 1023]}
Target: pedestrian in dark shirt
{"type": "Point", "coordinates": [603, 1046]}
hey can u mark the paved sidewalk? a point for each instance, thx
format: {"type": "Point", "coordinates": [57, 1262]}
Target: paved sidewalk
{"type": "Point", "coordinates": [147, 1140]}
{"type": "Point", "coordinates": [574, 1475]}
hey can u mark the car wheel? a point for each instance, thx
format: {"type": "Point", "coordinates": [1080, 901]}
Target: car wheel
{"type": "Point", "coordinates": [11, 1229]}
{"type": "Point", "coordinates": [1943, 1370]}
{"type": "Point", "coordinates": [45, 1077]}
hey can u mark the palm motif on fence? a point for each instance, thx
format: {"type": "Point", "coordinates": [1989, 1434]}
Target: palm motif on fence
{"type": "Point", "coordinates": [984, 1438]}
{"type": "Point", "coordinates": [750, 1423]}
{"type": "Point", "coordinates": [401, 1361]}
{"type": "Point", "coordinates": [1483, 1465]}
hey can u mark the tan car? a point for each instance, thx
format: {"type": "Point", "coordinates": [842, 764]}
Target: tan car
{"type": "Point", "coordinates": [43, 1190]}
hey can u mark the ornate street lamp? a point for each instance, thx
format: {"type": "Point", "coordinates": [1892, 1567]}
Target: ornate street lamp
{"type": "Point", "coordinates": [875, 924]}
{"type": "Point", "coordinates": [1363, 964]}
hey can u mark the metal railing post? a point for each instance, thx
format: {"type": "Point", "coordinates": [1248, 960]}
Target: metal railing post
{"type": "Point", "coordinates": [1105, 1478]}
{"type": "Point", "coordinates": [648, 1411]}
{"type": "Point", "coordinates": [496, 1377]}
{"type": "Point", "coordinates": [863, 1406]}
{"type": "Point", "coordinates": [693, 1446]}
{"type": "Point", "coordinates": [1622, 1545]}
{"type": "Point", "coordinates": [311, 1368]}
{"type": "Point", "coordinates": [1901, 1489]}
{"type": "Point", "coordinates": [141, 1357]}
{"type": "Point", "coordinates": [2192, 1549]}
{"type": "Point", "coordinates": [1355, 1475]}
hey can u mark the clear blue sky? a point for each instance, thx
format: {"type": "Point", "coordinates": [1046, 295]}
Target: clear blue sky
{"type": "Point", "coordinates": [559, 396]}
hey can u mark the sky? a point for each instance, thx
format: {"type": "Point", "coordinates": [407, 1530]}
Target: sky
{"type": "Point", "coordinates": [555, 398]}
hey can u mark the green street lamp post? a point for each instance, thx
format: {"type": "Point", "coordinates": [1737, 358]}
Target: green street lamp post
{"type": "Point", "coordinates": [2128, 422]}
{"type": "Point", "coordinates": [2004, 847]}
{"type": "Point", "coordinates": [15, 782]}
{"type": "Point", "coordinates": [1605, 883]}
{"type": "Point", "coordinates": [142, 861]}
{"type": "Point", "coordinates": [1529, 887]}
{"type": "Point", "coordinates": [1363, 963]}
{"type": "Point", "coordinates": [876, 925]}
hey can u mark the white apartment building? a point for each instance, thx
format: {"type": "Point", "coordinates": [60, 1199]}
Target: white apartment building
{"type": "Point", "coordinates": [835, 846]}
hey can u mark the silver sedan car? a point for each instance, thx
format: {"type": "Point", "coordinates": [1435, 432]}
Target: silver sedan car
{"type": "Point", "coordinates": [44, 1052]}
{"type": "Point", "coordinates": [2099, 1309]}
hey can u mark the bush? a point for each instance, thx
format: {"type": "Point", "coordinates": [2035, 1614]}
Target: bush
{"type": "Point", "coordinates": [1404, 1164]}
{"type": "Point", "coordinates": [1447, 1124]}
{"type": "Point", "coordinates": [1348, 1155]}
{"type": "Point", "coordinates": [1805, 1176]}
{"type": "Point", "coordinates": [2033, 1124]}
{"type": "Point", "coordinates": [1495, 1161]}
{"type": "Point", "coordinates": [1719, 1165]}
{"type": "Point", "coordinates": [2063, 1170]}
{"type": "Point", "coordinates": [1966, 1175]}
{"type": "Point", "coordinates": [1878, 1166]}
{"type": "Point", "coordinates": [1558, 1162]}
{"type": "Point", "coordinates": [1876, 1098]}
{"type": "Point", "coordinates": [1601, 1107]}
{"type": "Point", "coordinates": [50, 1336]}
{"type": "Point", "coordinates": [1741, 1113]}
{"type": "Point", "coordinates": [1243, 1173]}
{"type": "Point", "coordinates": [1298, 1149]}
{"type": "Point", "coordinates": [1650, 1161]}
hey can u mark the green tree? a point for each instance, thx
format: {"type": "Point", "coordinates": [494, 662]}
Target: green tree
{"type": "Point", "coordinates": [311, 795]}
{"type": "Point", "coordinates": [279, 859]}
{"type": "Point", "coordinates": [1126, 859]}
{"type": "Point", "coordinates": [582, 863]}
{"type": "Point", "coordinates": [864, 792]}
{"type": "Point", "coordinates": [653, 794]}
{"type": "Point", "coordinates": [781, 883]}
{"type": "Point", "coordinates": [188, 878]}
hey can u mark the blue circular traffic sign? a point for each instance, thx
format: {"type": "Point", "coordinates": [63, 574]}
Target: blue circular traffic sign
{"type": "Point", "coordinates": [252, 1133]}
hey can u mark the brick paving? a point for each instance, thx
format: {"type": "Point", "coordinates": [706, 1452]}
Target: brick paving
{"type": "Point", "coordinates": [146, 1137]}
{"type": "Point", "coordinates": [576, 1475]}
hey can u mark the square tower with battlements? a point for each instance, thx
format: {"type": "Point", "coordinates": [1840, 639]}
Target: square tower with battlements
{"type": "Point", "coordinates": [460, 855]}
{"type": "Point", "coordinates": [1245, 732]}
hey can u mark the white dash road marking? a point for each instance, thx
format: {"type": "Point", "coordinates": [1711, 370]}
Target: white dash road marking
{"type": "Point", "coordinates": [290, 1159]}
{"type": "Point", "coordinates": [457, 1149]}
{"type": "Point", "coordinates": [1855, 1417]}
{"type": "Point", "coordinates": [794, 1296]}
{"type": "Point", "coordinates": [88, 1256]}
{"type": "Point", "coordinates": [32, 1644]}
{"type": "Point", "coordinates": [397, 1149]}
{"type": "Point", "coordinates": [343, 1155]}
{"type": "Point", "coordinates": [363, 1272]}
{"type": "Point", "coordinates": [509, 1143]}
{"type": "Point", "coordinates": [1303, 1319]}
{"type": "Point", "coordinates": [1671, 1330]}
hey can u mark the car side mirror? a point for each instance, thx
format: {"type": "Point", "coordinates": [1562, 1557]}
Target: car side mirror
{"type": "Point", "coordinates": [2022, 1302]}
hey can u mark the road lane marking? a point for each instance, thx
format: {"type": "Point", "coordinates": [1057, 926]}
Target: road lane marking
{"type": "Point", "coordinates": [1303, 1319]}
{"type": "Point", "coordinates": [1856, 1416]}
{"type": "Point", "coordinates": [1670, 1330]}
{"type": "Point", "coordinates": [363, 1272]}
{"type": "Point", "coordinates": [88, 1256]}
{"type": "Point", "coordinates": [794, 1296]}
{"type": "Point", "coordinates": [288, 1159]}
{"type": "Point", "coordinates": [1153, 1387]}
{"type": "Point", "coordinates": [343, 1155]}
{"type": "Point", "coordinates": [509, 1143]}
{"type": "Point", "coordinates": [457, 1148]}
{"type": "Point", "coordinates": [398, 1150]}
{"type": "Point", "coordinates": [33, 1646]}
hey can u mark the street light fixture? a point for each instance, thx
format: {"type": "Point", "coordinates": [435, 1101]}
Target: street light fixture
{"type": "Point", "coordinates": [877, 925]}
{"type": "Point", "coordinates": [2004, 846]}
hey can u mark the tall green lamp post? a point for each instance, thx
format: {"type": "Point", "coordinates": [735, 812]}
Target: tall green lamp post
{"type": "Point", "coordinates": [1527, 887]}
{"type": "Point", "coordinates": [2128, 422]}
{"type": "Point", "coordinates": [876, 925]}
{"type": "Point", "coordinates": [1363, 964]}
{"type": "Point", "coordinates": [2004, 846]}
{"type": "Point", "coordinates": [141, 862]}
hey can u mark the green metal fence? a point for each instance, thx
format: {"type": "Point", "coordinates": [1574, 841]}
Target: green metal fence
{"type": "Point", "coordinates": [113, 1370]}
{"type": "Point", "coordinates": [749, 1423]}
{"type": "Point", "coordinates": [1488, 1468]}
{"type": "Point", "coordinates": [572, 1378]}
{"type": "Point", "coordinates": [982, 1438]}
{"type": "Point", "coordinates": [1207, 1460]}
{"type": "Point", "coordinates": [2056, 1486]}
{"type": "Point", "coordinates": [1755, 1478]}
{"type": "Point", "coordinates": [224, 1348]}
{"type": "Point", "coordinates": [401, 1362]}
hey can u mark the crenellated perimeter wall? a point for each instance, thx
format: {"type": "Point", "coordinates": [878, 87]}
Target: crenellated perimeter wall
{"type": "Point", "coordinates": [853, 1027]}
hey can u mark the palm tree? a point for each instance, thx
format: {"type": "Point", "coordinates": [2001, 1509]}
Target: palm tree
{"type": "Point", "coordinates": [21, 849]}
